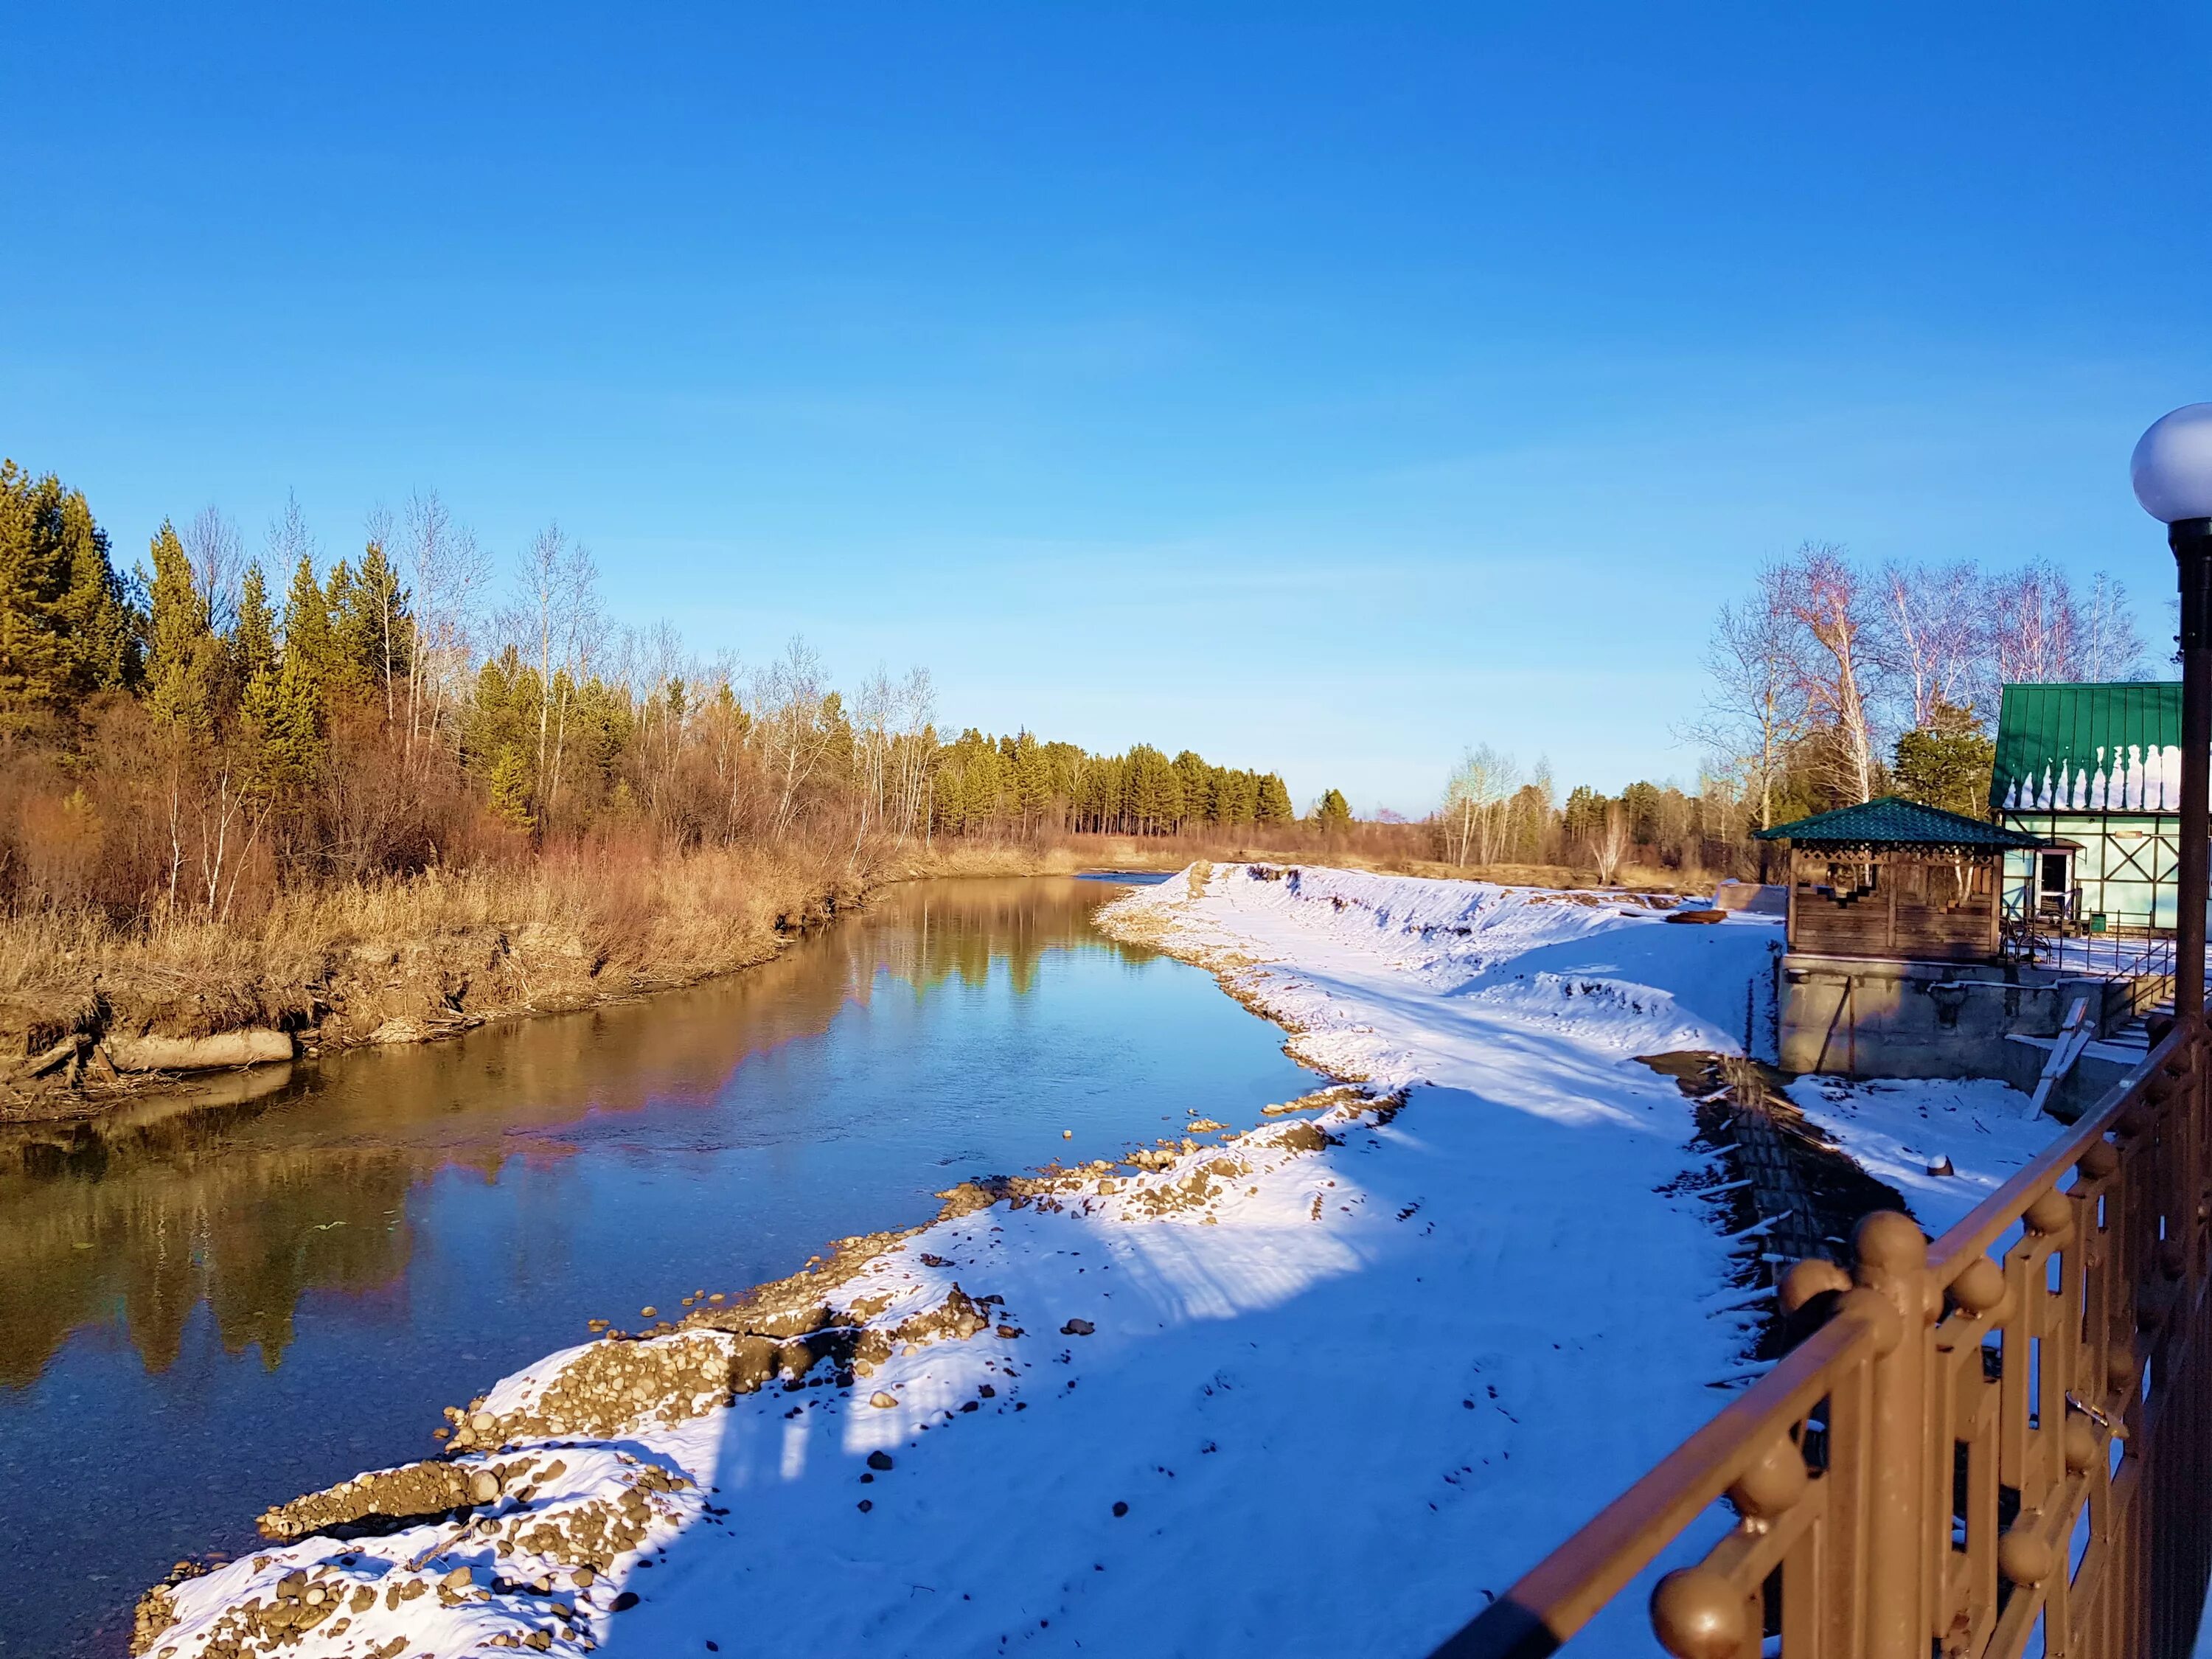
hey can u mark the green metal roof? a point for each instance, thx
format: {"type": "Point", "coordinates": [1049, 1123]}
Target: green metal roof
{"type": "Point", "coordinates": [2110, 748]}
{"type": "Point", "coordinates": [1893, 821]}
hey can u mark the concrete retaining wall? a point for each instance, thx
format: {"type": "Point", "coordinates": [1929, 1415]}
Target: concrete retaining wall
{"type": "Point", "coordinates": [1877, 1018]}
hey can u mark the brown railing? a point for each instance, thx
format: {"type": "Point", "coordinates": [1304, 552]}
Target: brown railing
{"type": "Point", "coordinates": [2009, 1430]}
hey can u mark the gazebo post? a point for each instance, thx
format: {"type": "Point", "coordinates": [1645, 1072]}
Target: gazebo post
{"type": "Point", "coordinates": [1789, 875]}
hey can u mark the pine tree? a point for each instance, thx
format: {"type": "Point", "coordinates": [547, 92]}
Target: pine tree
{"type": "Point", "coordinates": [1272, 804]}
{"type": "Point", "coordinates": [1032, 780]}
{"type": "Point", "coordinates": [283, 731]}
{"type": "Point", "coordinates": [66, 626]}
{"type": "Point", "coordinates": [509, 787]}
{"type": "Point", "coordinates": [1947, 762]}
{"type": "Point", "coordinates": [183, 657]}
{"type": "Point", "coordinates": [378, 627]}
{"type": "Point", "coordinates": [308, 648]}
{"type": "Point", "coordinates": [1196, 778]}
{"type": "Point", "coordinates": [254, 641]}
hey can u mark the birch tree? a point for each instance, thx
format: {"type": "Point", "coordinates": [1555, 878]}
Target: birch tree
{"type": "Point", "coordinates": [1607, 844]}
{"type": "Point", "coordinates": [1474, 810]}
{"type": "Point", "coordinates": [1829, 602]}
{"type": "Point", "coordinates": [794, 737]}
{"type": "Point", "coordinates": [1756, 706]}
{"type": "Point", "coordinates": [555, 619]}
{"type": "Point", "coordinates": [1926, 641]}
{"type": "Point", "coordinates": [449, 572]}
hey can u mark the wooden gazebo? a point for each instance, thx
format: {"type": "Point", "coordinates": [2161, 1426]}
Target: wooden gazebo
{"type": "Point", "coordinates": [1892, 878]}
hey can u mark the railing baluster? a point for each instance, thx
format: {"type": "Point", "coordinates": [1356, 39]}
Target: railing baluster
{"type": "Point", "coordinates": [2107, 1276]}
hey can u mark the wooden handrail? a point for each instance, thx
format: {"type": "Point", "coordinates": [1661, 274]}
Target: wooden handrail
{"type": "Point", "coordinates": [1916, 1474]}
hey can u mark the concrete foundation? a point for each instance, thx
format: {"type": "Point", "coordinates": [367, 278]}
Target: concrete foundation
{"type": "Point", "coordinates": [1868, 1017]}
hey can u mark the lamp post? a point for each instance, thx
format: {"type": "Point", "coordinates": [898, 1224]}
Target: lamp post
{"type": "Point", "coordinates": [2173, 474]}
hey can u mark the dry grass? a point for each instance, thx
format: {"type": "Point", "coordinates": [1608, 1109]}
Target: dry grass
{"type": "Point", "coordinates": [392, 959]}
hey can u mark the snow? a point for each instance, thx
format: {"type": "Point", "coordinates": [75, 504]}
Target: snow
{"type": "Point", "coordinates": [2135, 779]}
{"type": "Point", "coordinates": [1346, 1394]}
{"type": "Point", "coordinates": [1896, 1128]}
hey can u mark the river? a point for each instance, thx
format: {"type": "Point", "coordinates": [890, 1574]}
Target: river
{"type": "Point", "coordinates": [213, 1303]}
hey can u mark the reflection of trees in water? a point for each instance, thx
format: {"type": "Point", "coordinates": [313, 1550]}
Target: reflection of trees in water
{"type": "Point", "coordinates": [939, 931]}
{"type": "Point", "coordinates": [90, 1230]}
{"type": "Point", "coordinates": [262, 1186]}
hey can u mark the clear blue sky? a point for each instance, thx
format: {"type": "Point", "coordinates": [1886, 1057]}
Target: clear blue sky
{"type": "Point", "coordinates": [1325, 388]}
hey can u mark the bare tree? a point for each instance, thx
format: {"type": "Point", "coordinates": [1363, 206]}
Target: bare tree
{"type": "Point", "coordinates": [554, 620]}
{"type": "Point", "coordinates": [288, 542]}
{"type": "Point", "coordinates": [1924, 640]}
{"type": "Point", "coordinates": [873, 711]}
{"type": "Point", "coordinates": [1474, 810]}
{"type": "Point", "coordinates": [1757, 709]}
{"type": "Point", "coordinates": [794, 737]}
{"type": "Point", "coordinates": [449, 572]}
{"type": "Point", "coordinates": [1607, 844]}
{"type": "Point", "coordinates": [1828, 602]}
{"type": "Point", "coordinates": [916, 744]}
{"type": "Point", "coordinates": [2111, 649]}
{"type": "Point", "coordinates": [655, 663]}
{"type": "Point", "coordinates": [2034, 626]}
{"type": "Point", "coordinates": [217, 553]}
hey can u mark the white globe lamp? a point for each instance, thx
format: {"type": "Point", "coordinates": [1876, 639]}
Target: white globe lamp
{"type": "Point", "coordinates": [2173, 465]}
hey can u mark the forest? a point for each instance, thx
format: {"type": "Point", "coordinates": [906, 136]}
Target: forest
{"type": "Point", "coordinates": [193, 733]}
{"type": "Point", "coordinates": [187, 736]}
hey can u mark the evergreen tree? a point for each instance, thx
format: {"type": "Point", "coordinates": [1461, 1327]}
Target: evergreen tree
{"type": "Point", "coordinates": [1583, 815]}
{"type": "Point", "coordinates": [379, 628]}
{"type": "Point", "coordinates": [1947, 762]}
{"type": "Point", "coordinates": [67, 628]}
{"type": "Point", "coordinates": [307, 653]}
{"type": "Point", "coordinates": [1033, 793]}
{"type": "Point", "coordinates": [509, 787]}
{"type": "Point", "coordinates": [1196, 778]}
{"type": "Point", "coordinates": [254, 641]}
{"type": "Point", "coordinates": [1273, 805]}
{"type": "Point", "coordinates": [1332, 812]}
{"type": "Point", "coordinates": [183, 659]}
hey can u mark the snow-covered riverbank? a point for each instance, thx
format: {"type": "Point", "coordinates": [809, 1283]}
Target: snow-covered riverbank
{"type": "Point", "coordinates": [1316, 1388]}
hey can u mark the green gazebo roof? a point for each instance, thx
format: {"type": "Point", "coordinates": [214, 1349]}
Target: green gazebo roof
{"type": "Point", "coordinates": [1893, 821]}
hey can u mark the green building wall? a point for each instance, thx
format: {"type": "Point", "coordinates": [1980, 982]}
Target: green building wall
{"type": "Point", "coordinates": [2125, 868]}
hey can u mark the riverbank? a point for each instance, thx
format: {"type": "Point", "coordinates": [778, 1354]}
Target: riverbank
{"type": "Point", "coordinates": [99, 1013]}
{"type": "Point", "coordinates": [92, 1014]}
{"type": "Point", "coordinates": [1386, 1342]}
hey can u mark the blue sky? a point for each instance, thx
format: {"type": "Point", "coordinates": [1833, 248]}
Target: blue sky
{"type": "Point", "coordinates": [1323, 388]}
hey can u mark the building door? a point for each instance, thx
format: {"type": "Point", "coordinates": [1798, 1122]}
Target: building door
{"type": "Point", "coordinates": [2054, 883]}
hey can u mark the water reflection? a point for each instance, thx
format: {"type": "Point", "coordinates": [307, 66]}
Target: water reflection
{"type": "Point", "coordinates": [211, 1303]}
{"type": "Point", "coordinates": [259, 1187]}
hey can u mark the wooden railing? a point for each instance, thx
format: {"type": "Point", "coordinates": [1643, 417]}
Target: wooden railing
{"type": "Point", "coordinates": [2005, 1435]}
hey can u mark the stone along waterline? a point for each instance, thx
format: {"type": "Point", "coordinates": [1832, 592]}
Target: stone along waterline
{"type": "Point", "coordinates": [209, 1306]}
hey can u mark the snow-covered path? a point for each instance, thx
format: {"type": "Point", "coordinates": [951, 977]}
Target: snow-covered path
{"type": "Point", "coordinates": [1292, 1393]}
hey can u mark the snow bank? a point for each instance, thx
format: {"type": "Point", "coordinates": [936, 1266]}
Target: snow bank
{"type": "Point", "coordinates": [1324, 1387]}
{"type": "Point", "coordinates": [1900, 1130]}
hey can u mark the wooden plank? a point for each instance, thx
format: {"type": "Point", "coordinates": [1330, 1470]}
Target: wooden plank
{"type": "Point", "coordinates": [2074, 1036]}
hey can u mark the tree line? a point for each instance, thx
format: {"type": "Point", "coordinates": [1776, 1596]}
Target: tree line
{"type": "Point", "coordinates": [1831, 681]}
{"type": "Point", "coordinates": [183, 736]}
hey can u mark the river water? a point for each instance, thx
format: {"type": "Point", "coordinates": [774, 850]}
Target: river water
{"type": "Point", "coordinates": [211, 1305]}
